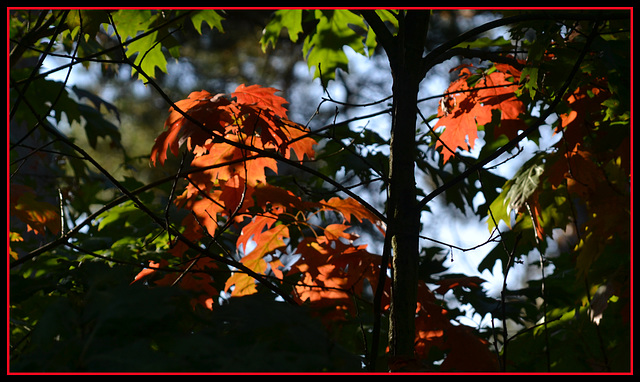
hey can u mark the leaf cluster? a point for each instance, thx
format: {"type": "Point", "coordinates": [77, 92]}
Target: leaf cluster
{"type": "Point", "coordinates": [232, 261]}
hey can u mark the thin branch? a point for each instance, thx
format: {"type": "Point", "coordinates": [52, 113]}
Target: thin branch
{"type": "Point", "coordinates": [439, 54]}
{"type": "Point", "coordinates": [489, 240]}
{"type": "Point", "coordinates": [373, 103]}
{"type": "Point", "coordinates": [513, 143]}
{"type": "Point", "coordinates": [94, 56]}
{"type": "Point", "coordinates": [503, 301]}
{"type": "Point", "coordinates": [261, 152]}
{"type": "Point", "coordinates": [115, 202]}
{"type": "Point", "coordinates": [38, 32]}
{"type": "Point", "coordinates": [158, 220]}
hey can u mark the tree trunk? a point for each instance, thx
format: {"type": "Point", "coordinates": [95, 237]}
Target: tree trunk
{"type": "Point", "coordinates": [404, 217]}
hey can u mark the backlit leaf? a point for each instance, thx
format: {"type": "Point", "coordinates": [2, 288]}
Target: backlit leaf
{"type": "Point", "coordinates": [467, 107]}
{"type": "Point", "coordinates": [262, 98]}
{"type": "Point", "coordinates": [351, 208]}
{"type": "Point", "coordinates": [209, 16]}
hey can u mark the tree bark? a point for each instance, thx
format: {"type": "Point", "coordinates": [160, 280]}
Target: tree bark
{"type": "Point", "coordinates": [403, 214]}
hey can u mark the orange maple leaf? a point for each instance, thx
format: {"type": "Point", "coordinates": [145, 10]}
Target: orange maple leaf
{"type": "Point", "coordinates": [278, 200]}
{"type": "Point", "coordinates": [463, 109]}
{"type": "Point", "coordinates": [242, 283]}
{"type": "Point", "coordinates": [150, 270]}
{"type": "Point", "coordinates": [266, 242]}
{"type": "Point", "coordinates": [498, 92]}
{"type": "Point", "coordinates": [582, 174]}
{"type": "Point", "coordinates": [298, 141]}
{"type": "Point", "coordinates": [37, 214]}
{"type": "Point", "coordinates": [261, 97]}
{"type": "Point", "coordinates": [351, 208]}
{"type": "Point", "coordinates": [231, 138]}
{"type": "Point", "coordinates": [465, 350]}
{"type": "Point", "coordinates": [254, 111]}
{"type": "Point", "coordinates": [335, 231]}
{"type": "Point", "coordinates": [255, 228]}
{"type": "Point", "coordinates": [202, 106]}
{"type": "Point", "coordinates": [235, 195]}
{"type": "Point", "coordinates": [584, 102]}
{"type": "Point", "coordinates": [331, 270]}
{"type": "Point", "coordinates": [196, 279]}
{"type": "Point", "coordinates": [237, 160]}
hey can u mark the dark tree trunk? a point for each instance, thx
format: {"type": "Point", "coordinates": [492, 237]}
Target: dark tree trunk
{"type": "Point", "coordinates": [404, 216]}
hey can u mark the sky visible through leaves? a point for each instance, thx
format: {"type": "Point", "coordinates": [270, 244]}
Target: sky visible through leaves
{"type": "Point", "coordinates": [459, 231]}
{"type": "Point", "coordinates": [228, 168]}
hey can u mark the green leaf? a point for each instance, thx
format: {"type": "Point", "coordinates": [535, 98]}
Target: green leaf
{"type": "Point", "coordinates": [291, 19]}
{"type": "Point", "coordinates": [524, 185]}
{"type": "Point", "coordinates": [211, 17]}
{"type": "Point", "coordinates": [129, 22]}
{"type": "Point", "coordinates": [323, 49]}
{"type": "Point", "coordinates": [486, 42]}
{"type": "Point", "coordinates": [147, 50]}
{"type": "Point", "coordinates": [97, 102]}
{"type": "Point", "coordinates": [40, 94]}
{"type": "Point", "coordinates": [97, 126]}
{"type": "Point", "coordinates": [516, 191]}
{"type": "Point", "coordinates": [89, 20]}
{"type": "Point", "coordinates": [149, 55]}
{"type": "Point", "coordinates": [529, 77]}
{"type": "Point", "coordinates": [121, 213]}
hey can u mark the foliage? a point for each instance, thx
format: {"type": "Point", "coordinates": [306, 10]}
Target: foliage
{"type": "Point", "coordinates": [324, 43]}
{"type": "Point", "coordinates": [252, 253]}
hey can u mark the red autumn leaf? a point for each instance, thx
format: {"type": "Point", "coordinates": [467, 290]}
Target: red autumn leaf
{"type": "Point", "coordinates": [265, 128]}
{"type": "Point", "coordinates": [147, 271]}
{"type": "Point", "coordinates": [272, 132]}
{"type": "Point", "coordinates": [331, 270]}
{"type": "Point", "coordinates": [199, 280]}
{"type": "Point", "coordinates": [203, 107]}
{"type": "Point", "coordinates": [335, 231]}
{"type": "Point", "coordinates": [457, 114]}
{"type": "Point", "coordinates": [38, 215]}
{"type": "Point", "coordinates": [255, 228]}
{"type": "Point", "coordinates": [357, 264]}
{"type": "Point", "coordinates": [266, 242]}
{"type": "Point", "coordinates": [264, 115]}
{"type": "Point", "coordinates": [462, 111]}
{"type": "Point", "coordinates": [536, 214]}
{"type": "Point", "coordinates": [584, 103]}
{"type": "Point", "coordinates": [499, 93]}
{"type": "Point", "coordinates": [351, 208]}
{"type": "Point", "coordinates": [235, 194]}
{"type": "Point", "coordinates": [253, 170]}
{"type": "Point", "coordinates": [465, 351]}
{"type": "Point", "coordinates": [228, 141]}
{"type": "Point", "coordinates": [431, 322]}
{"type": "Point", "coordinates": [242, 283]}
{"type": "Point", "coordinates": [193, 277]}
{"type": "Point", "coordinates": [298, 141]}
{"type": "Point", "coordinates": [582, 174]}
{"type": "Point", "coordinates": [261, 97]}
{"type": "Point", "coordinates": [255, 111]}
{"type": "Point", "coordinates": [205, 212]}
{"type": "Point", "coordinates": [278, 200]}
